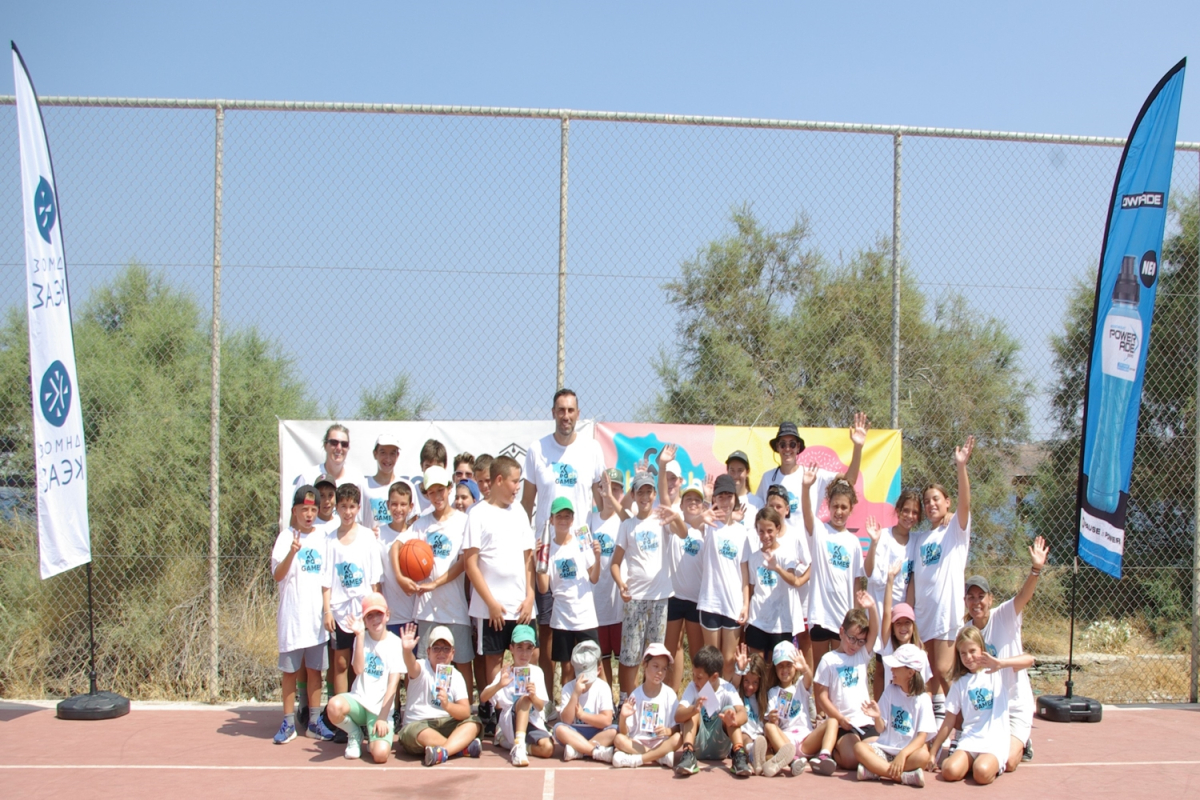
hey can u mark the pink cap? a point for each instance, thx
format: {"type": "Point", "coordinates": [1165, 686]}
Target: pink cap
{"type": "Point", "coordinates": [902, 611]}
{"type": "Point", "coordinates": [656, 649]}
{"type": "Point", "coordinates": [374, 602]}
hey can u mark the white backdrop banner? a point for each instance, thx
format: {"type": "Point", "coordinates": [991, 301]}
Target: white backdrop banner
{"type": "Point", "coordinates": [62, 515]}
{"type": "Point", "coordinates": [300, 445]}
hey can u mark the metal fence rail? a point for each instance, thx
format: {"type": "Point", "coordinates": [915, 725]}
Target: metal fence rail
{"type": "Point", "coordinates": [331, 247]}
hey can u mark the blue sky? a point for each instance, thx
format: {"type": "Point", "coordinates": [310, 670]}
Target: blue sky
{"type": "Point", "coordinates": [1080, 68]}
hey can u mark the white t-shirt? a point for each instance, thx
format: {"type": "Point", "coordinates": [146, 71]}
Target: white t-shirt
{"type": "Point", "coordinates": [327, 526]}
{"type": "Point", "coordinates": [837, 562]}
{"type": "Point", "coordinates": [1002, 634]}
{"type": "Point", "coordinates": [791, 702]}
{"type": "Point", "coordinates": [686, 564]}
{"type": "Point", "coordinates": [939, 564]}
{"type": "Point", "coordinates": [771, 598]}
{"type": "Point", "coordinates": [374, 509]}
{"type": "Point", "coordinates": [887, 552]}
{"type": "Point", "coordinates": [794, 484]}
{"type": "Point", "coordinates": [401, 607]}
{"type": "Point", "coordinates": [313, 473]}
{"type": "Point", "coordinates": [352, 570]}
{"type": "Point", "coordinates": [650, 713]}
{"type": "Point", "coordinates": [596, 700]}
{"type": "Point", "coordinates": [794, 542]}
{"type": "Point", "coordinates": [904, 717]}
{"type": "Point", "coordinates": [448, 603]}
{"type": "Point", "coordinates": [846, 679]}
{"type": "Point", "coordinates": [383, 659]}
{"type": "Point", "coordinates": [574, 609]}
{"type": "Point", "coordinates": [725, 549]}
{"type": "Point", "coordinates": [754, 723]}
{"type": "Point", "coordinates": [887, 648]}
{"type": "Point", "coordinates": [421, 700]}
{"type": "Point", "coordinates": [299, 620]}
{"type": "Point", "coordinates": [507, 697]}
{"type": "Point", "coordinates": [559, 471]}
{"type": "Point", "coordinates": [503, 536]}
{"type": "Point", "coordinates": [610, 608]}
{"type": "Point", "coordinates": [982, 699]}
{"type": "Point", "coordinates": [727, 697]}
{"type": "Point", "coordinates": [645, 544]}
{"type": "Point", "coordinates": [752, 503]}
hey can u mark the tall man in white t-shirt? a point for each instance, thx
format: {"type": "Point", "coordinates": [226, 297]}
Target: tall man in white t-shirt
{"type": "Point", "coordinates": [559, 465]}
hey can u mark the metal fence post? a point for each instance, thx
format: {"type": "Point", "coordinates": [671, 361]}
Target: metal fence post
{"type": "Point", "coordinates": [214, 458]}
{"type": "Point", "coordinates": [560, 376]}
{"type": "Point", "coordinates": [897, 146]}
{"type": "Point", "coordinates": [1195, 682]}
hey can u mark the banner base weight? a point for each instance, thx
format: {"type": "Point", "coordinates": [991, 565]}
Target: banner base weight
{"type": "Point", "coordinates": [100, 705]}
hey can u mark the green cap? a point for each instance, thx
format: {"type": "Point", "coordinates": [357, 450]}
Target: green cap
{"type": "Point", "coordinates": [523, 633]}
{"type": "Point", "coordinates": [561, 504]}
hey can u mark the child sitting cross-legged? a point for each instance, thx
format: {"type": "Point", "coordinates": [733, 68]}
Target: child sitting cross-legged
{"type": "Point", "coordinates": [585, 714]}
{"type": "Point", "coordinates": [646, 730]}
{"type": "Point", "coordinates": [519, 692]}
{"type": "Point", "coordinates": [904, 715]}
{"type": "Point", "coordinates": [787, 729]}
{"type": "Point", "coordinates": [710, 717]}
{"type": "Point", "coordinates": [438, 722]}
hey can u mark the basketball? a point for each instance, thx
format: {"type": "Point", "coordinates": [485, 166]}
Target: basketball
{"type": "Point", "coordinates": [416, 559]}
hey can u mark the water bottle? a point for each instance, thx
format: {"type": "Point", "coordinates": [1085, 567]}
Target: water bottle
{"type": "Point", "coordinates": [543, 548]}
{"type": "Point", "coordinates": [1120, 349]}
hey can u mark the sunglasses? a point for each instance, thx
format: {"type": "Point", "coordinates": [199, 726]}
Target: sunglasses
{"type": "Point", "coordinates": [788, 444]}
{"type": "Point", "coordinates": [338, 443]}
{"type": "Point", "coordinates": [440, 648]}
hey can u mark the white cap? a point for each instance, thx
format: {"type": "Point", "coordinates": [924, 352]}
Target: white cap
{"type": "Point", "coordinates": [674, 469]}
{"type": "Point", "coordinates": [784, 651]}
{"type": "Point", "coordinates": [441, 634]}
{"type": "Point", "coordinates": [436, 475]}
{"type": "Point", "coordinates": [657, 649]}
{"type": "Point", "coordinates": [906, 655]}
{"type": "Point", "coordinates": [387, 440]}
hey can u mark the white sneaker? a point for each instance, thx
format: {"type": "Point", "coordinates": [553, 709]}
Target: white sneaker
{"type": "Point", "coordinates": [353, 744]}
{"type": "Point", "coordinates": [623, 759]}
{"type": "Point", "coordinates": [865, 774]}
{"type": "Point", "coordinates": [668, 760]}
{"type": "Point", "coordinates": [914, 777]}
{"type": "Point", "coordinates": [569, 753]}
{"type": "Point", "coordinates": [519, 757]}
{"type": "Point", "coordinates": [604, 754]}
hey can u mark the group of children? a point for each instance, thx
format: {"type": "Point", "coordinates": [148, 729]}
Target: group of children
{"type": "Point", "coordinates": [779, 633]}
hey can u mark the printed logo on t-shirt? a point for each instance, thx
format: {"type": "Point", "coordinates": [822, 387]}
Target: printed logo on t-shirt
{"type": "Point", "coordinates": [607, 545]}
{"type": "Point", "coordinates": [980, 698]}
{"type": "Point", "coordinates": [767, 577]}
{"type": "Point", "coordinates": [906, 568]}
{"type": "Point", "coordinates": [691, 546]}
{"type": "Point", "coordinates": [380, 510]}
{"type": "Point", "coordinates": [564, 474]}
{"type": "Point", "coordinates": [351, 575]}
{"type": "Point", "coordinates": [728, 550]}
{"type": "Point", "coordinates": [839, 558]}
{"type": "Point", "coordinates": [751, 713]}
{"type": "Point", "coordinates": [439, 543]}
{"type": "Point", "coordinates": [991, 648]}
{"type": "Point", "coordinates": [647, 541]}
{"type": "Point", "coordinates": [310, 560]}
{"type": "Point", "coordinates": [931, 554]}
{"type": "Point", "coordinates": [793, 502]}
{"type": "Point", "coordinates": [566, 569]}
{"type": "Point", "coordinates": [374, 665]}
{"type": "Point", "coordinates": [901, 721]}
{"type": "Point", "coordinates": [848, 676]}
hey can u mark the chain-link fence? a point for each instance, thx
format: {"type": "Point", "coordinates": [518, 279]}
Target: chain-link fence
{"type": "Point", "coordinates": [667, 268]}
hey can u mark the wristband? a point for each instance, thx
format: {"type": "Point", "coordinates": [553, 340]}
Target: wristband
{"type": "Point", "coordinates": [1035, 572]}
{"type": "Point", "coordinates": [746, 671]}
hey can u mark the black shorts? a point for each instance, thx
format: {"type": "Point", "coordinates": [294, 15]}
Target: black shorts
{"type": "Point", "coordinates": [545, 607]}
{"type": "Point", "coordinates": [342, 640]}
{"type": "Point", "coordinates": [494, 642]}
{"type": "Point", "coordinates": [717, 622]}
{"type": "Point", "coordinates": [819, 634]}
{"type": "Point", "coordinates": [562, 643]}
{"type": "Point", "coordinates": [868, 731]}
{"type": "Point", "coordinates": [758, 639]}
{"type": "Point", "coordinates": [678, 608]}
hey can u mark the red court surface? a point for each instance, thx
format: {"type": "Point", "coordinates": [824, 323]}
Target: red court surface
{"type": "Point", "coordinates": [197, 751]}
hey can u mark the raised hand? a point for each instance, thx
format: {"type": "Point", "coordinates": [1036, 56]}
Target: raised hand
{"type": "Point", "coordinates": [894, 570]}
{"type": "Point", "coordinates": [667, 454]}
{"type": "Point", "coordinates": [772, 563]}
{"type": "Point", "coordinates": [582, 684]}
{"type": "Point", "coordinates": [710, 483]}
{"type": "Point", "coordinates": [408, 637]}
{"type": "Point", "coordinates": [963, 454]}
{"type": "Point", "coordinates": [858, 431]}
{"type": "Point", "coordinates": [1038, 553]}
{"type": "Point", "coordinates": [665, 514]}
{"type": "Point", "coordinates": [743, 657]}
{"type": "Point", "coordinates": [873, 529]}
{"type": "Point", "coordinates": [627, 708]}
{"type": "Point", "coordinates": [810, 475]}
{"type": "Point", "coordinates": [989, 662]}
{"type": "Point", "coordinates": [296, 542]}
{"type": "Point", "coordinates": [739, 513]}
{"type": "Point", "coordinates": [506, 676]}
{"type": "Point", "coordinates": [871, 709]}
{"type": "Point", "coordinates": [863, 599]}
{"type": "Point", "coordinates": [356, 624]}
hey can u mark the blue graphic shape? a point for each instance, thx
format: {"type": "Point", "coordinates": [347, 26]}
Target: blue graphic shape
{"type": "Point", "coordinates": [767, 577]}
{"type": "Point", "coordinates": [901, 721]}
{"type": "Point", "coordinates": [981, 699]}
{"type": "Point", "coordinates": [45, 210]}
{"type": "Point", "coordinates": [607, 545]}
{"type": "Point", "coordinates": [439, 543]}
{"type": "Point", "coordinates": [351, 575]}
{"type": "Point", "coordinates": [564, 474]}
{"type": "Point", "coordinates": [848, 676]}
{"type": "Point", "coordinates": [374, 665]}
{"type": "Point", "coordinates": [931, 553]}
{"type": "Point", "coordinates": [838, 557]}
{"type": "Point", "coordinates": [728, 550]}
{"type": "Point", "coordinates": [644, 449]}
{"type": "Point", "coordinates": [991, 650]}
{"type": "Point", "coordinates": [380, 510]}
{"type": "Point", "coordinates": [55, 394]}
{"type": "Point", "coordinates": [566, 569]}
{"type": "Point", "coordinates": [647, 541]}
{"type": "Point", "coordinates": [691, 546]}
{"type": "Point", "coordinates": [310, 560]}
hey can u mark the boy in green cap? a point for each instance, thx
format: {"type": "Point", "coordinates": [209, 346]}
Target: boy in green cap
{"type": "Point", "coordinates": [519, 692]}
{"type": "Point", "coordinates": [574, 569]}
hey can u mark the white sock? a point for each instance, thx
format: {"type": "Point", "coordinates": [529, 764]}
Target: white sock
{"type": "Point", "coordinates": [348, 726]}
{"type": "Point", "coordinates": [939, 707]}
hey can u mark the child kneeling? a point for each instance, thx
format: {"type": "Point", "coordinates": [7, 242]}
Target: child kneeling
{"type": "Point", "coordinates": [711, 715]}
{"type": "Point", "coordinates": [904, 714]}
{"type": "Point", "coordinates": [438, 722]}
{"type": "Point", "coordinates": [586, 712]}
{"type": "Point", "coordinates": [643, 734]}
{"type": "Point", "coordinates": [519, 691]}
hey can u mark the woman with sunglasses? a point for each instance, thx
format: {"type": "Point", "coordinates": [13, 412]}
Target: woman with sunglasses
{"type": "Point", "coordinates": [337, 449]}
{"type": "Point", "coordinates": [788, 446]}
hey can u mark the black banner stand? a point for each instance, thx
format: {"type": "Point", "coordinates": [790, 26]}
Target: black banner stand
{"type": "Point", "coordinates": [93, 705]}
{"type": "Point", "coordinates": [1068, 707]}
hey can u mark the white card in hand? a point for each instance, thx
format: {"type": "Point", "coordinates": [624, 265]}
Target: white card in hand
{"type": "Point", "coordinates": [706, 698]}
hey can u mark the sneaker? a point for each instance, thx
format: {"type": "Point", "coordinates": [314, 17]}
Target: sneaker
{"type": "Point", "coordinates": [760, 753]}
{"type": "Point", "coordinates": [741, 763]}
{"type": "Point", "coordinates": [518, 756]}
{"type": "Point", "coordinates": [604, 754]}
{"type": "Point", "coordinates": [775, 764]}
{"type": "Point", "coordinates": [287, 732]}
{"type": "Point", "coordinates": [823, 764]}
{"type": "Point", "coordinates": [914, 777]}
{"type": "Point", "coordinates": [797, 768]}
{"type": "Point", "coordinates": [474, 749]}
{"type": "Point", "coordinates": [865, 774]}
{"type": "Point", "coordinates": [569, 753]}
{"type": "Point", "coordinates": [668, 760]}
{"type": "Point", "coordinates": [319, 731]}
{"type": "Point", "coordinates": [341, 737]}
{"type": "Point", "coordinates": [623, 759]}
{"type": "Point", "coordinates": [489, 718]}
{"type": "Point", "coordinates": [687, 763]}
{"type": "Point", "coordinates": [1027, 754]}
{"type": "Point", "coordinates": [354, 746]}
{"type": "Point", "coordinates": [436, 755]}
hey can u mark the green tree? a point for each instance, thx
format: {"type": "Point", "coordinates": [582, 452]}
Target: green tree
{"type": "Point", "coordinates": [769, 330]}
{"type": "Point", "coordinates": [393, 402]}
{"type": "Point", "coordinates": [1161, 512]}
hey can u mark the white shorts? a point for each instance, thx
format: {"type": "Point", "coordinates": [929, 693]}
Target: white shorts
{"type": "Point", "coordinates": [1020, 720]}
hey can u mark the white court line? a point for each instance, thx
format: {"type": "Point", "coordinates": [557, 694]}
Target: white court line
{"type": "Point", "coordinates": [548, 786]}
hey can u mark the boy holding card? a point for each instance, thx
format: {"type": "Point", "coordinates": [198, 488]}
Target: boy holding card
{"type": "Point", "coordinates": [438, 722]}
{"type": "Point", "coordinates": [646, 732]}
{"type": "Point", "coordinates": [710, 715]}
{"type": "Point", "coordinates": [586, 711]}
{"type": "Point", "coordinates": [519, 692]}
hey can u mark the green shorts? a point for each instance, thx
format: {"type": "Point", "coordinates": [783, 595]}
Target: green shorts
{"type": "Point", "coordinates": [443, 725]}
{"type": "Point", "coordinates": [712, 743]}
{"type": "Point", "coordinates": [362, 717]}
